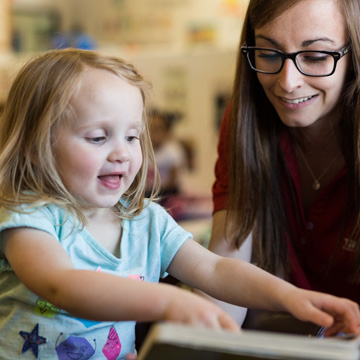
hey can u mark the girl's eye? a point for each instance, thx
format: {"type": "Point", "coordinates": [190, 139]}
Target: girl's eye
{"type": "Point", "coordinates": [131, 138]}
{"type": "Point", "coordinates": [97, 139]}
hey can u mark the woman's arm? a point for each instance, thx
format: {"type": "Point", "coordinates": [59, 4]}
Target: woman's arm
{"type": "Point", "coordinates": [45, 268]}
{"type": "Point", "coordinates": [224, 247]}
{"type": "Point", "coordinates": [243, 284]}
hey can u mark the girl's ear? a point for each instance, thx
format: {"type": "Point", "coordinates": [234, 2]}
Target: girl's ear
{"type": "Point", "coordinates": [33, 156]}
{"type": "Point", "coordinates": [34, 160]}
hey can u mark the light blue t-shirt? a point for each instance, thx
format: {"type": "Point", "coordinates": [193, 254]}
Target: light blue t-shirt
{"type": "Point", "coordinates": [30, 326]}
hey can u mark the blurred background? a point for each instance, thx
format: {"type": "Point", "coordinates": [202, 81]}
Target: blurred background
{"type": "Point", "coordinates": [185, 48]}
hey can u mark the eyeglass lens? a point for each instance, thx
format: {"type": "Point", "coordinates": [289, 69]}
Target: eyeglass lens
{"type": "Point", "coordinates": [312, 62]}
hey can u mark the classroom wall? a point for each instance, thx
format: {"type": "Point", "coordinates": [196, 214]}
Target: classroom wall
{"type": "Point", "coordinates": [5, 26]}
{"type": "Point", "coordinates": [186, 48]}
{"type": "Point", "coordinates": [192, 84]}
{"type": "Point", "coordinates": [144, 22]}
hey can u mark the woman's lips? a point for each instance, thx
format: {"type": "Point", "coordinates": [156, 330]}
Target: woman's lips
{"type": "Point", "coordinates": [298, 102]}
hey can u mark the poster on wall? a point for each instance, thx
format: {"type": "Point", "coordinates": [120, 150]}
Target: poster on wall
{"type": "Point", "coordinates": [33, 29]}
{"type": "Point", "coordinates": [170, 21]}
{"type": "Point", "coordinates": [175, 90]}
{"type": "Point", "coordinates": [234, 7]}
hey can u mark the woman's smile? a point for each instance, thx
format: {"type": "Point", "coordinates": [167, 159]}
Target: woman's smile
{"type": "Point", "coordinates": [297, 103]}
{"type": "Point", "coordinates": [316, 98]}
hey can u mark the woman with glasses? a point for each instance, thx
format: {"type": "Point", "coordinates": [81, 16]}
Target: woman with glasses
{"type": "Point", "coordinates": [287, 190]}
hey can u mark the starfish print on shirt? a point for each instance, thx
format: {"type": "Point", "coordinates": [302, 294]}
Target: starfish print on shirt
{"type": "Point", "coordinates": [32, 340]}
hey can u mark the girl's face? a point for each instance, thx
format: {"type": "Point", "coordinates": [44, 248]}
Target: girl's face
{"type": "Point", "coordinates": [98, 151]}
{"type": "Point", "coordinates": [300, 100]}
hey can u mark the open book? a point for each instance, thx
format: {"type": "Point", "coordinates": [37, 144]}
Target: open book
{"type": "Point", "coordinates": [180, 342]}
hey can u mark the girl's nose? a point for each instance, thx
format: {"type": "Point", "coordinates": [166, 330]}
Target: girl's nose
{"type": "Point", "coordinates": [119, 153]}
{"type": "Point", "coordinates": [290, 77]}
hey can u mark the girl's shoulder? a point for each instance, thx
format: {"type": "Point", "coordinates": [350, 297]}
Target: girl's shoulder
{"type": "Point", "coordinates": [47, 217]}
{"type": "Point", "coordinates": [152, 214]}
{"type": "Point", "coordinates": [33, 211]}
{"type": "Point", "coordinates": [152, 208]}
{"type": "Point", "coordinates": [149, 207]}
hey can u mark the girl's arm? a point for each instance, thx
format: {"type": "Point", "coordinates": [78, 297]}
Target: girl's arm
{"type": "Point", "coordinates": [223, 247]}
{"type": "Point", "coordinates": [240, 283]}
{"type": "Point", "coordinates": [44, 267]}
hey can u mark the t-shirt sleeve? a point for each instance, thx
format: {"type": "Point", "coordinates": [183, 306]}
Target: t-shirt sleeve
{"type": "Point", "coordinates": [35, 219]}
{"type": "Point", "coordinates": [40, 219]}
{"type": "Point", "coordinates": [222, 166]}
{"type": "Point", "coordinates": [172, 237]}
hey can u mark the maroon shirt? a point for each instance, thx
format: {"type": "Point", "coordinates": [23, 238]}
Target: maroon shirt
{"type": "Point", "coordinates": [315, 238]}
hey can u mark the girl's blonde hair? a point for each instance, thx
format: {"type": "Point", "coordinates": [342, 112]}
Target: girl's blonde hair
{"type": "Point", "coordinates": [37, 102]}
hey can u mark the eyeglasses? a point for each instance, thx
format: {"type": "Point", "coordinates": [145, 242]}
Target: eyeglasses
{"type": "Point", "coordinates": [308, 62]}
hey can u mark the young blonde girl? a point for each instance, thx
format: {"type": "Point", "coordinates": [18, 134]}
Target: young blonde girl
{"type": "Point", "coordinates": [81, 249]}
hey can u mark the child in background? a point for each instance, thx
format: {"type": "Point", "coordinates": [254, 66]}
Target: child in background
{"type": "Point", "coordinates": [81, 250]}
{"type": "Point", "coordinates": [170, 155]}
{"type": "Point", "coordinates": [171, 161]}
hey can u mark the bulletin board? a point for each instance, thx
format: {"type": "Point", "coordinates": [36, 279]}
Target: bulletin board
{"type": "Point", "coordinates": [33, 29]}
{"type": "Point", "coordinates": [139, 22]}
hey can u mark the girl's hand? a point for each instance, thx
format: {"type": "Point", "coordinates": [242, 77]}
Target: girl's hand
{"type": "Point", "coordinates": [131, 356]}
{"type": "Point", "coordinates": [191, 309]}
{"type": "Point", "coordinates": [336, 314]}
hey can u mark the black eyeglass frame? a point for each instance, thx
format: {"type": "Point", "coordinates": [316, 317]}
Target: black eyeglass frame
{"type": "Point", "coordinates": [337, 55]}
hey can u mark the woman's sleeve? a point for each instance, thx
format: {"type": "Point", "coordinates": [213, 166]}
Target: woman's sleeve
{"type": "Point", "coordinates": [222, 165]}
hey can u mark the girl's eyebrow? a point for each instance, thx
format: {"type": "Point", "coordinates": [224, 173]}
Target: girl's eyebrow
{"type": "Point", "coordinates": [305, 43]}
{"type": "Point", "coordinates": [138, 125]}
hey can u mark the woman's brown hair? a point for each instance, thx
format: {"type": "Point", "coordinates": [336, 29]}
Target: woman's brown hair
{"type": "Point", "coordinates": [257, 166]}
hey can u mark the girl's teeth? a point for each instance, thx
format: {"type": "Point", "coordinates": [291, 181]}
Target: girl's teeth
{"type": "Point", "coordinates": [297, 101]}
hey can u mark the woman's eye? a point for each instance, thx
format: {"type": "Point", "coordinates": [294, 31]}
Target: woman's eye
{"type": "Point", "coordinates": [316, 57]}
{"type": "Point", "coordinates": [268, 56]}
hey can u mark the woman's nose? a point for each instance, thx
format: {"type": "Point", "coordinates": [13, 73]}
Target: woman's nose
{"type": "Point", "coordinates": [290, 77]}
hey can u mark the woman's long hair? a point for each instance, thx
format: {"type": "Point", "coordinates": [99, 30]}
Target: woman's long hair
{"type": "Point", "coordinates": [257, 164]}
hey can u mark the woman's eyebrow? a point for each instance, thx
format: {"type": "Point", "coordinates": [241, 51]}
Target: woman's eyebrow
{"type": "Point", "coordinates": [267, 39]}
{"type": "Point", "coordinates": [305, 43]}
{"type": "Point", "coordinates": [322, 39]}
